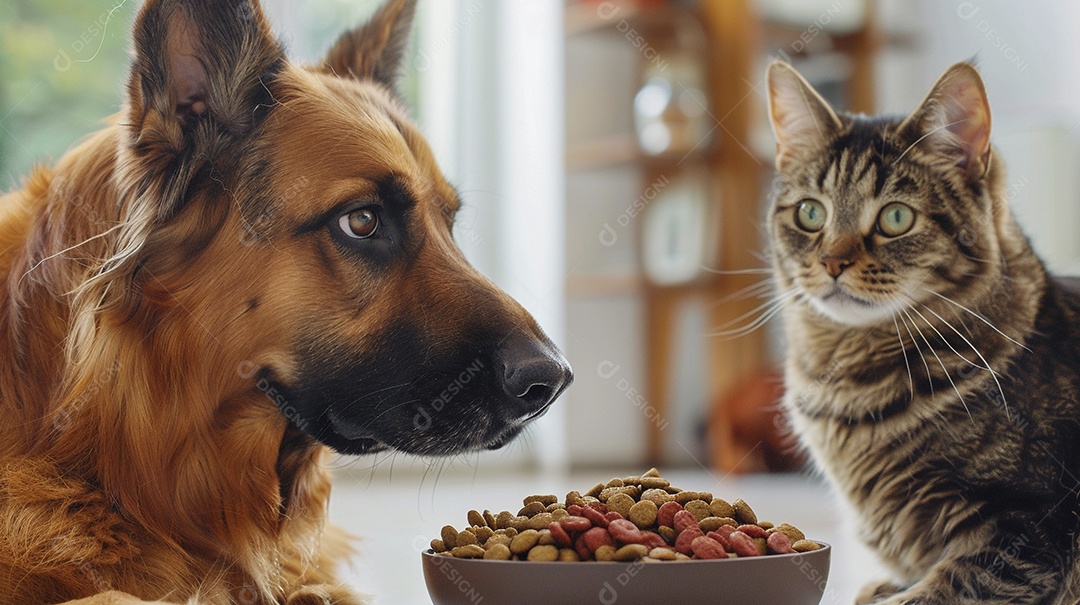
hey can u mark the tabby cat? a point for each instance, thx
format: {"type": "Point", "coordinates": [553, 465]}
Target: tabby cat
{"type": "Point", "coordinates": [933, 367]}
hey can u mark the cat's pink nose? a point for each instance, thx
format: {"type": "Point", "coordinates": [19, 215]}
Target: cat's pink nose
{"type": "Point", "coordinates": [835, 265]}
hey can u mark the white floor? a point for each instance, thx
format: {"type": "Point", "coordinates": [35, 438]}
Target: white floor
{"type": "Point", "coordinates": [398, 508]}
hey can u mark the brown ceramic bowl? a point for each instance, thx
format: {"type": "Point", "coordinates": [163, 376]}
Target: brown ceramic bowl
{"type": "Point", "coordinates": [777, 579]}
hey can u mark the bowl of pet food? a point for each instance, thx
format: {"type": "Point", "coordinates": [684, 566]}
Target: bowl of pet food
{"type": "Point", "coordinates": [631, 541]}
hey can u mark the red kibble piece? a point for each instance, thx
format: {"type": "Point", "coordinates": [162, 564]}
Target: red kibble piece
{"type": "Point", "coordinates": [582, 548]}
{"type": "Point", "coordinates": [624, 531]}
{"type": "Point", "coordinates": [574, 523]}
{"type": "Point", "coordinates": [684, 520]}
{"type": "Point", "coordinates": [725, 530]}
{"type": "Point", "coordinates": [743, 545]}
{"type": "Point", "coordinates": [707, 548]}
{"type": "Point", "coordinates": [613, 516]}
{"type": "Point", "coordinates": [597, 537]}
{"type": "Point", "coordinates": [686, 539]}
{"type": "Point", "coordinates": [721, 538]}
{"type": "Point", "coordinates": [666, 514]}
{"type": "Point", "coordinates": [596, 517]}
{"type": "Point", "coordinates": [561, 537]}
{"type": "Point", "coordinates": [653, 540]}
{"type": "Point", "coordinates": [575, 509]}
{"type": "Point", "coordinates": [753, 531]}
{"type": "Point", "coordinates": [599, 507]}
{"type": "Point", "coordinates": [779, 544]}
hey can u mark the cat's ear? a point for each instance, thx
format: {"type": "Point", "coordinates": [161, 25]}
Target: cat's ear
{"type": "Point", "coordinates": [376, 50]}
{"type": "Point", "coordinates": [954, 120]}
{"type": "Point", "coordinates": [802, 121]}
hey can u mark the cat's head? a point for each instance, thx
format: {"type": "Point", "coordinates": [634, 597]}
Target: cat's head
{"type": "Point", "coordinates": [875, 213]}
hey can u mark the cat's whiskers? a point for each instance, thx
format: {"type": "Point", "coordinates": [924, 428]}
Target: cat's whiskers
{"type": "Point", "coordinates": [997, 382]}
{"type": "Point", "coordinates": [979, 317]}
{"type": "Point", "coordinates": [763, 313]}
{"type": "Point", "coordinates": [929, 376]}
{"type": "Point", "coordinates": [941, 363]}
{"type": "Point", "coordinates": [903, 350]}
{"type": "Point", "coordinates": [912, 305]}
{"type": "Point", "coordinates": [756, 290]}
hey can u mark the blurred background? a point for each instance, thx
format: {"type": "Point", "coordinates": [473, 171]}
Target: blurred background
{"type": "Point", "coordinates": [614, 159]}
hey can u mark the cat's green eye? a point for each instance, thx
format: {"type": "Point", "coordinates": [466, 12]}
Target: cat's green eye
{"type": "Point", "coordinates": [896, 219]}
{"type": "Point", "coordinates": [810, 215]}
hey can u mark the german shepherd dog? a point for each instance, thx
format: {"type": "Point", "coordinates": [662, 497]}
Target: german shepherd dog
{"type": "Point", "coordinates": [251, 266]}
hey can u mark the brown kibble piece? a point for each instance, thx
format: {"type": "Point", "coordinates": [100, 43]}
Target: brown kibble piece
{"type": "Point", "coordinates": [471, 551]}
{"type": "Point", "coordinates": [547, 553]}
{"type": "Point", "coordinates": [544, 499]}
{"type": "Point", "coordinates": [631, 552]}
{"type": "Point", "coordinates": [490, 520]}
{"type": "Point", "coordinates": [520, 523]}
{"type": "Point", "coordinates": [568, 555]}
{"type": "Point", "coordinates": [498, 539]}
{"type": "Point", "coordinates": [596, 489]}
{"type": "Point", "coordinates": [709, 524]}
{"type": "Point", "coordinates": [630, 490]}
{"type": "Point", "coordinates": [605, 553]}
{"type": "Point", "coordinates": [465, 537]}
{"type": "Point", "coordinates": [662, 554]}
{"type": "Point", "coordinates": [574, 497]}
{"type": "Point", "coordinates": [805, 546]}
{"type": "Point", "coordinates": [658, 497]}
{"type": "Point", "coordinates": [616, 482]}
{"type": "Point", "coordinates": [621, 503]}
{"type": "Point", "coordinates": [483, 534]}
{"type": "Point", "coordinates": [652, 472]}
{"type": "Point", "coordinates": [720, 508]}
{"type": "Point", "coordinates": [684, 497]}
{"type": "Point", "coordinates": [498, 552]}
{"type": "Point", "coordinates": [667, 533]}
{"type": "Point", "coordinates": [541, 521]}
{"type": "Point", "coordinates": [766, 524]}
{"type": "Point", "coordinates": [743, 513]}
{"type": "Point", "coordinates": [438, 545]}
{"type": "Point", "coordinates": [700, 508]}
{"type": "Point", "coordinates": [476, 519]}
{"type": "Point", "coordinates": [524, 541]}
{"type": "Point", "coordinates": [449, 536]}
{"type": "Point", "coordinates": [790, 531]}
{"type": "Point", "coordinates": [653, 483]}
{"type": "Point", "coordinates": [559, 514]}
{"type": "Point", "coordinates": [643, 514]}
{"type": "Point", "coordinates": [531, 509]}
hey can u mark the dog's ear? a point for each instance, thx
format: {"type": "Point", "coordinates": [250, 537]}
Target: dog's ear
{"type": "Point", "coordinates": [375, 51]}
{"type": "Point", "coordinates": [199, 68]}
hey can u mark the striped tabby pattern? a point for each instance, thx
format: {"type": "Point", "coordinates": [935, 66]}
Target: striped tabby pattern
{"type": "Point", "coordinates": [933, 367]}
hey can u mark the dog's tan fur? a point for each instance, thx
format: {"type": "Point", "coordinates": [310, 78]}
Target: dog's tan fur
{"type": "Point", "coordinates": [154, 265]}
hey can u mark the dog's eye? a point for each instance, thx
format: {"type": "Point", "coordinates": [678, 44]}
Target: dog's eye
{"type": "Point", "coordinates": [360, 224]}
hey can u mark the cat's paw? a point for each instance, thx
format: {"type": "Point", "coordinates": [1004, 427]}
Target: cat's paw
{"type": "Point", "coordinates": [876, 592]}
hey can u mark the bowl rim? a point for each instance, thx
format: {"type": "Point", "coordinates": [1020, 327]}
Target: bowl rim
{"type": "Point", "coordinates": [825, 547]}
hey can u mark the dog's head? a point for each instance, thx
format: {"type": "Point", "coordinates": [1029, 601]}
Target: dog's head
{"type": "Point", "coordinates": [298, 218]}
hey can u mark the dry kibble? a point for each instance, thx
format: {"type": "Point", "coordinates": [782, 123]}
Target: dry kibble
{"type": "Point", "coordinates": [471, 551]}
{"type": "Point", "coordinates": [631, 552]}
{"type": "Point", "coordinates": [743, 513]}
{"type": "Point", "coordinates": [524, 541]}
{"type": "Point", "coordinates": [643, 514]}
{"type": "Point", "coordinates": [476, 519]}
{"type": "Point", "coordinates": [605, 553]}
{"type": "Point", "coordinates": [498, 552]}
{"type": "Point", "coordinates": [657, 496]}
{"type": "Point", "coordinates": [662, 554]}
{"type": "Point", "coordinates": [531, 509]}
{"type": "Point", "coordinates": [766, 524]}
{"type": "Point", "coordinates": [720, 508]}
{"type": "Point", "coordinates": [545, 499]}
{"type": "Point", "coordinates": [568, 555]}
{"type": "Point", "coordinates": [483, 534]}
{"type": "Point", "coordinates": [637, 518]}
{"type": "Point", "coordinates": [652, 472]}
{"type": "Point", "coordinates": [449, 536]}
{"type": "Point", "coordinates": [546, 552]}
{"type": "Point", "coordinates": [700, 508]}
{"type": "Point", "coordinates": [805, 546]}
{"type": "Point", "coordinates": [621, 503]}
{"type": "Point", "coordinates": [684, 497]}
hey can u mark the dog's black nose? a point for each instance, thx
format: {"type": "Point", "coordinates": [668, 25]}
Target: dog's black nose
{"type": "Point", "coordinates": [533, 373]}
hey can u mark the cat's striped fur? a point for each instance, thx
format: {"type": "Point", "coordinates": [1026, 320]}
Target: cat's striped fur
{"type": "Point", "coordinates": [934, 374]}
